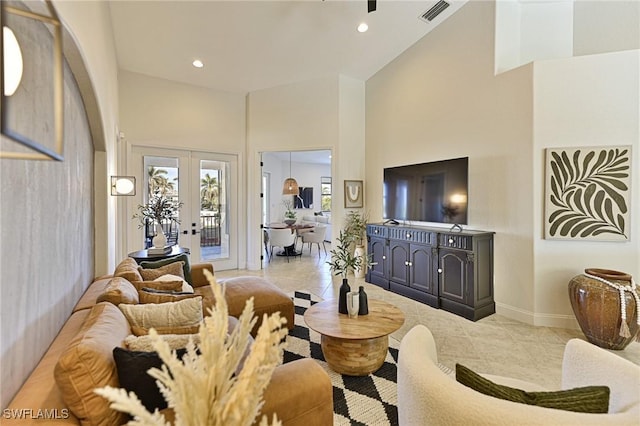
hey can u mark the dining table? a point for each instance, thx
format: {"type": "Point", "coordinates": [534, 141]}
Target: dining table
{"type": "Point", "coordinates": [298, 228]}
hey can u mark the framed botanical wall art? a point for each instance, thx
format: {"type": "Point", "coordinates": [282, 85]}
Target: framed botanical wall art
{"type": "Point", "coordinates": [587, 193]}
{"type": "Point", "coordinates": [353, 194]}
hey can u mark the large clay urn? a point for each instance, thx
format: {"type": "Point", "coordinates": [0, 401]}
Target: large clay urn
{"type": "Point", "coordinates": [597, 307]}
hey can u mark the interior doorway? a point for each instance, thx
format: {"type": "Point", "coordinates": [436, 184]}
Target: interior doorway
{"type": "Point", "coordinates": [311, 170]}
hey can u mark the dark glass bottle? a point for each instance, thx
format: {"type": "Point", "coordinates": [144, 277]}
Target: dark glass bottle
{"type": "Point", "coordinates": [364, 304]}
{"type": "Point", "coordinates": [342, 298]}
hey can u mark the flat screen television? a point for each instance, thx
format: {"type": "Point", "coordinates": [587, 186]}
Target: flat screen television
{"type": "Point", "coordinates": [427, 192]}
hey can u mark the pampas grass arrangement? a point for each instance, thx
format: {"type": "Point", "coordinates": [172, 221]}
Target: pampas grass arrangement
{"type": "Point", "coordinates": [202, 389]}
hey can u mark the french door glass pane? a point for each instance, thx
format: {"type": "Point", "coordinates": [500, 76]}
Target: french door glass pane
{"type": "Point", "coordinates": [161, 178]}
{"type": "Point", "coordinates": [214, 214]}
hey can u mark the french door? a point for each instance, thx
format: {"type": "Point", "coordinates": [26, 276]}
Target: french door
{"type": "Point", "coordinates": [206, 185]}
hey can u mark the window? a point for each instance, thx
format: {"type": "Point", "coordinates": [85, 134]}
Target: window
{"type": "Point", "coordinates": [325, 193]}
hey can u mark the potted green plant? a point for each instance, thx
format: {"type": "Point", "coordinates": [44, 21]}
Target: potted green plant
{"type": "Point", "coordinates": [289, 214]}
{"type": "Point", "coordinates": [342, 260]}
{"type": "Point", "coordinates": [157, 210]}
{"type": "Point", "coordinates": [355, 229]}
{"type": "Point", "coordinates": [356, 226]}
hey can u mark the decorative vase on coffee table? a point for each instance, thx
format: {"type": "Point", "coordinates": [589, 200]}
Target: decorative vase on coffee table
{"type": "Point", "coordinates": [342, 297]}
{"type": "Point", "coordinates": [605, 303]}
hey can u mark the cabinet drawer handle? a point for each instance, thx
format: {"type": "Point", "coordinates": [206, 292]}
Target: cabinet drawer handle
{"type": "Point", "coordinates": [439, 270]}
{"type": "Point", "coordinates": [450, 240]}
{"type": "Point", "coordinates": [408, 235]}
{"type": "Point", "coordinates": [410, 263]}
{"type": "Point", "coordinates": [384, 257]}
{"type": "Point", "coordinates": [406, 263]}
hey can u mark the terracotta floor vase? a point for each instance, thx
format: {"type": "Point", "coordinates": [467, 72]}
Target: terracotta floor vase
{"type": "Point", "coordinates": [597, 307]}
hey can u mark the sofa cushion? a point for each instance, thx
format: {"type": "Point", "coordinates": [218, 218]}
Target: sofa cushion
{"type": "Point", "coordinates": [175, 341]}
{"type": "Point", "coordinates": [95, 289]}
{"type": "Point", "coordinates": [186, 287]}
{"type": "Point", "coordinates": [118, 291]}
{"type": "Point", "coordinates": [87, 363]}
{"type": "Point", "coordinates": [159, 285]}
{"type": "Point", "coordinates": [186, 267]}
{"type": "Point", "coordinates": [174, 268]}
{"type": "Point", "coordinates": [151, 295]}
{"type": "Point", "coordinates": [128, 269]}
{"type": "Point", "coordinates": [181, 317]}
{"type": "Point", "coordinates": [589, 399]}
{"type": "Point", "coordinates": [133, 367]}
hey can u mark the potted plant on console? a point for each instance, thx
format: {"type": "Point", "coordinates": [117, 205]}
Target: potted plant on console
{"type": "Point", "coordinates": [355, 229]}
{"type": "Point", "coordinates": [157, 210]}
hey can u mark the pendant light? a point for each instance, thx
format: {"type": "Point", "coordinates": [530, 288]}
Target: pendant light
{"type": "Point", "coordinates": [290, 186]}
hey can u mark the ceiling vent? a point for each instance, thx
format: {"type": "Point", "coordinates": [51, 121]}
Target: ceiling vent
{"type": "Point", "coordinates": [436, 10]}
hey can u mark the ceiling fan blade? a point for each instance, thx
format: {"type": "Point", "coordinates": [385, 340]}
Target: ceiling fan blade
{"type": "Point", "coordinates": [371, 6]}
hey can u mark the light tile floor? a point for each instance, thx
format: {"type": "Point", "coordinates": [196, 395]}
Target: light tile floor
{"type": "Point", "coordinates": [494, 345]}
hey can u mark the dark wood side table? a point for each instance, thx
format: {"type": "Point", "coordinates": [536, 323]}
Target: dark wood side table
{"type": "Point", "coordinates": [142, 255]}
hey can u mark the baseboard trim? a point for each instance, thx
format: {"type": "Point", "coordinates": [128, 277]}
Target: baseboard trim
{"type": "Point", "coordinates": [537, 319]}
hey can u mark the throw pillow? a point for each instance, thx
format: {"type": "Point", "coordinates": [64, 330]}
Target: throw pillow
{"type": "Point", "coordinates": [128, 269]}
{"type": "Point", "coordinates": [87, 363]}
{"type": "Point", "coordinates": [175, 268]}
{"type": "Point", "coordinates": [181, 317]}
{"type": "Point", "coordinates": [186, 287]}
{"type": "Point", "coordinates": [150, 295]}
{"type": "Point", "coordinates": [589, 399]}
{"type": "Point", "coordinates": [159, 285]}
{"type": "Point", "coordinates": [118, 291]}
{"type": "Point", "coordinates": [175, 341]}
{"type": "Point", "coordinates": [147, 264]}
{"type": "Point", "coordinates": [133, 367]}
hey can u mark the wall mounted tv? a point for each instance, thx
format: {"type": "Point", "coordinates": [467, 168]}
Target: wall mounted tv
{"type": "Point", "coordinates": [427, 192]}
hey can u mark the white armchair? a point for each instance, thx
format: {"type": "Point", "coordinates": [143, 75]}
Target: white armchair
{"type": "Point", "coordinates": [426, 395]}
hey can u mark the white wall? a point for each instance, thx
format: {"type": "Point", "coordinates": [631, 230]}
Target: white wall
{"type": "Point", "coordinates": [606, 26]}
{"type": "Point", "coordinates": [89, 24]}
{"type": "Point", "coordinates": [575, 106]}
{"type": "Point", "coordinates": [440, 100]}
{"type": "Point", "coordinates": [164, 114]}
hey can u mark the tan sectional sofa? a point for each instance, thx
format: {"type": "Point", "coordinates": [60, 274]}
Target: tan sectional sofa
{"type": "Point", "coordinates": [300, 392]}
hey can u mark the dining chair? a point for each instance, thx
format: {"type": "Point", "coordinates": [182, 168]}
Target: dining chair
{"type": "Point", "coordinates": [281, 238]}
{"type": "Point", "coordinates": [315, 236]}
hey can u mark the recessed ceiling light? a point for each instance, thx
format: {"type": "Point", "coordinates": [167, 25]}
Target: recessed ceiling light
{"type": "Point", "coordinates": [363, 27]}
{"type": "Point", "coordinates": [198, 63]}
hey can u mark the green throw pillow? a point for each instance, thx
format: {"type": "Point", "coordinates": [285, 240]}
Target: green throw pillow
{"type": "Point", "coordinates": [149, 264]}
{"type": "Point", "coordinates": [589, 399]}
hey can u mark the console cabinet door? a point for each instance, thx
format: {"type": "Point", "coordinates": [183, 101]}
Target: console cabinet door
{"type": "Point", "coordinates": [421, 267]}
{"type": "Point", "coordinates": [456, 275]}
{"type": "Point", "coordinates": [399, 262]}
{"type": "Point", "coordinates": [378, 272]}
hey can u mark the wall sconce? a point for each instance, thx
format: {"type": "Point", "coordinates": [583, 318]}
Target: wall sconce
{"type": "Point", "coordinates": [12, 62]}
{"type": "Point", "coordinates": [32, 83]}
{"type": "Point", "coordinates": [123, 185]}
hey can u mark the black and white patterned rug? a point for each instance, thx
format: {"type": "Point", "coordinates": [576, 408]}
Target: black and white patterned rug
{"type": "Point", "coordinates": [367, 400]}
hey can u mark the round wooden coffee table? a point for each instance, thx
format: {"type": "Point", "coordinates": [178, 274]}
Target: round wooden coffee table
{"type": "Point", "coordinates": [354, 346]}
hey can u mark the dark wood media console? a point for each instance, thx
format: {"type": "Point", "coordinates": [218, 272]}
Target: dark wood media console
{"type": "Point", "coordinates": [445, 269]}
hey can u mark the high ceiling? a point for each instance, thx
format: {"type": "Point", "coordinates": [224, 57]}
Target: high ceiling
{"type": "Point", "coordinates": [253, 45]}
